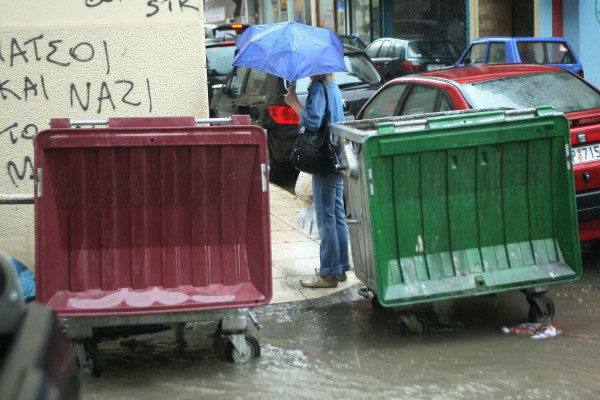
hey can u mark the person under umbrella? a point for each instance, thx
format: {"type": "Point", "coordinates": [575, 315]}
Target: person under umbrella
{"type": "Point", "coordinates": [328, 189]}
{"type": "Point", "coordinates": [292, 51]}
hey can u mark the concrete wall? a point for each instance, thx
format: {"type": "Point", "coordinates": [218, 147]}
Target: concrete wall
{"type": "Point", "coordinates": [586, 42]}
{"type": "Point", "coordinates": [545, 18]}
{"type": "Point", "coordinates": [495, 18]}
{"type": "Point", "coordinates": [571, 23]}
{"type": "Point", "coordinates": [88, 59]}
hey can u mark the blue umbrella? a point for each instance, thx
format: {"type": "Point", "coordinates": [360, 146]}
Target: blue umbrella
{"type": "Point", "coordinates": [290, 50]}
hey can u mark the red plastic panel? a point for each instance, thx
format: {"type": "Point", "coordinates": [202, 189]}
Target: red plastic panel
{"type": "Point", "coordinates": [152, 220]}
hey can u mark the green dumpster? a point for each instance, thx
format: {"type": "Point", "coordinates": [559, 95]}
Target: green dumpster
{"type": "Point", "coordinates": [460, 204]}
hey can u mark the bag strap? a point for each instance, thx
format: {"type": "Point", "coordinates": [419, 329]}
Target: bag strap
{"type": "Point", "coordinates": [326, 115]}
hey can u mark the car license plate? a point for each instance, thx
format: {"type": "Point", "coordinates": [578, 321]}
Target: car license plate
{"type": "Point", "coordinates": [435, 67]}
{"type": "Point", "coordinates": [585, 154]}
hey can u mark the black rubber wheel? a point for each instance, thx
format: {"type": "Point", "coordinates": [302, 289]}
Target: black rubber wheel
{"type": "Point", "coordinates": [375, 302]}
{"type": "Point", "coordinates": [423, 326]}
{"type": "Point", "coordinates": [232, 354]}
{"type": "Point", "coordinates": [92, 364]}
{"type": "Point", "coordinates": [535, 313]}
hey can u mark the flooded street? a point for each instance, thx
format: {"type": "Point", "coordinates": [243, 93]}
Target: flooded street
{"type": "Point", "coordinates": [349, 350]}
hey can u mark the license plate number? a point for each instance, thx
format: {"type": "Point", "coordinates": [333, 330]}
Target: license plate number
{"type": "Point", "coordinates": [435, 67]}
{"type": "Point", "coordinates": [585, 154]}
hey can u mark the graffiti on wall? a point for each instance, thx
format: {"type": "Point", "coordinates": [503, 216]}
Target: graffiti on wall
{"type": "Point", "coordinates": [91, 93]}
{"type": "Point", "coordinates": [153, 7]}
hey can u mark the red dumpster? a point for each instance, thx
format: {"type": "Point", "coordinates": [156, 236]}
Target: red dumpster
{"type": "Point", "coordinates": [150, 221]}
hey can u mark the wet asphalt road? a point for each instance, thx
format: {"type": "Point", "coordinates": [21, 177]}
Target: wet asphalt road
{"type": "Point", "coordinates": [340, 347]}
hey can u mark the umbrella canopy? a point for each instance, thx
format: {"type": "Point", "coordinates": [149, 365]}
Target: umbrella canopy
{"type": "Point", "coordinates": [290, 50]}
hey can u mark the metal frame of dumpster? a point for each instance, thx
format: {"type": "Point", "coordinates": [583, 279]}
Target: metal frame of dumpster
{"type": "Point", "coordinates": [375, 162]}
{"type": "Point", "coordinates": [202, 301]}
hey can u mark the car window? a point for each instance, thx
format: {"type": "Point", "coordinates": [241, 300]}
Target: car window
{"type": "Point", "coordinates": [445, 102]}
{"type": "Point", "coordinates": [545, 52]}
{"type": "Point", "coordinates": [255, 81]}
{"type": "Point", "coordinates": [431, 49]}
{"type": "Point", "coordinates": [360, 72]}
{"type": "Point", "coordinates": [373, 49]}
{"type": "Point", "coordinates": [561, 89]}
{"type": "Point", "coordinates": [220, 59]}
{"type": "Point", "coordinates": [385, 103]}
{"type": "Point", "coordinates": [496, 53]}
{"type": "Point", "coordinates": [421, 99]}
{"type": "Point", "coordinates": [237, 78]}
{"type": "Point", "coordinates": [392, 51]}
{"type": "Point", "coordinates": [398, 52]}
{"type": "Point", "coordinates": [385, 47]}
{"type": "Point", "coordinates": [476, 54]}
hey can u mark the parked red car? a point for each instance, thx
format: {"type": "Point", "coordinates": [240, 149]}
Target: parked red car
{"type": "Point", "coordinates": [511, 86]}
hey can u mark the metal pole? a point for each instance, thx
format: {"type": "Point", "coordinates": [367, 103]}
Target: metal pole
{"type": "Point", "coordinates": [16, 199]}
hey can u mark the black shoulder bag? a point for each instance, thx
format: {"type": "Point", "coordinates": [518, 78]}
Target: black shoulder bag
{"type": "Point", "coordinates": [312, 153]}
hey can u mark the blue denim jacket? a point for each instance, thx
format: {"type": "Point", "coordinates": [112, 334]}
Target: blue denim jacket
{"type": "Point", "coordinates": [312, 115]}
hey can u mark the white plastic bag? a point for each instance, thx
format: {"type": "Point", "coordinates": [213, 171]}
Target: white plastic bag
{"type": "Point", "coordinates": [303, 189]}
{"type": "Point", "coordinates": [307, 221]}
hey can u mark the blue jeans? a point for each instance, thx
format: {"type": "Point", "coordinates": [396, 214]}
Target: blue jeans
{"type": "Point", "coordinates": [328, 191]}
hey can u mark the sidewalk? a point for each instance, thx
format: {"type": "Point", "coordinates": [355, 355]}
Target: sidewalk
{"type": "Point", "coordinates": [295, 255]}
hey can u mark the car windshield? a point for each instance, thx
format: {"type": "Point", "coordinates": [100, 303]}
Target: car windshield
{"type": "Point", "coordinates": [220, 59]}
{"type": "Point", "coordinates": [360, 71]}
{"type": "Point", "coordinates": [561, 89]}
{"type": "Point", "coordinates": [431, 49]}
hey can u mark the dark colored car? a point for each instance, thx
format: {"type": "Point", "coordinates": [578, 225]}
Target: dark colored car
{"type": "Point", "coordinates": [261, 95]}
{"type": "Point", "coordinates": [219, 57]}
{"type": "Point", "coordinates": [220, 51]}
{"type": "Point", "coordinates": [511, 86]}
{"type": "Point", "coordinates": [399, 57]}
{"type": "Point", "coordinates": [353, 41]}
{"type": "Point", "coordinates": [532, 50]}
{"type": "Point", "coordinates": [224, 32]}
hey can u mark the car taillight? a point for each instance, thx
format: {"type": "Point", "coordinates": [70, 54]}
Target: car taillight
{"type": "Point", "coordinates": [410, 65]}
{"type": "Point", "coordinates": [283, 115]}
{"type": "Point", "coordinates": [580, 73]}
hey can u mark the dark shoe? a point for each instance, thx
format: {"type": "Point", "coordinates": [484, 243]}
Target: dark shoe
{"type": "Point", "coordinates": [340, 278]}
{"type": "Point", "coordinates": [320, 283]}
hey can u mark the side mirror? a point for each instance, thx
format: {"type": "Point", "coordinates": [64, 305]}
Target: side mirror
{"type": "Point", "coordinates": [217, 87]}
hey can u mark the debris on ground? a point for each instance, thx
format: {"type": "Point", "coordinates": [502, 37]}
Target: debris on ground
{"type": "Point", "coordinates": [537, 330]}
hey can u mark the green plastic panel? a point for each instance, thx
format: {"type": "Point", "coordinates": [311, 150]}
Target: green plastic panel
{"type": "Point", "coordinates": [472, 204]}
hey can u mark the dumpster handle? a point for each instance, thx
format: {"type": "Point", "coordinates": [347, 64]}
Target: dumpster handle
{"type": "Point", "coordinates": [351, 221]}
{"type": "Point", "coordinates": [214, 121]}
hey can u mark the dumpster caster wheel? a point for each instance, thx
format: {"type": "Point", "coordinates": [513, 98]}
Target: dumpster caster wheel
{"type": "Point", "coordinates": [541, 309]}
{"type": "Point", "coordinates": [234, 355]}
{"type": "Point", "coordinates": [415, 324]}
{"type": "Point", "coordinates": [375, 302]}
{"type": "Point", "coordinates": [92, 364]}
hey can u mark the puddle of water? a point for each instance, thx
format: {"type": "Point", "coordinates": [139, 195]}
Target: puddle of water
{"type": "Point", "coordinates": [350, 351]}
